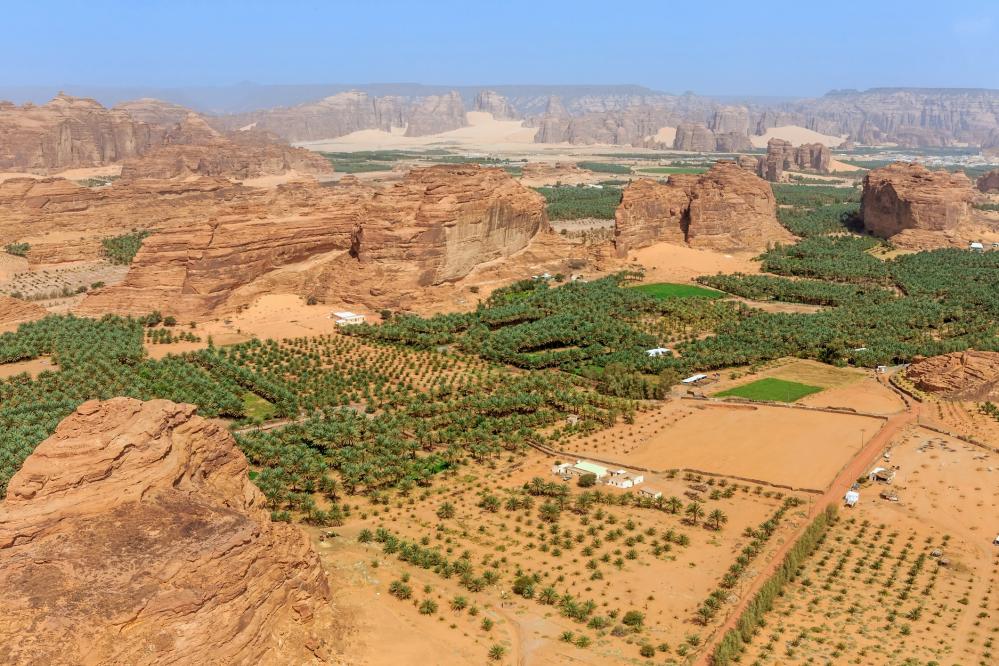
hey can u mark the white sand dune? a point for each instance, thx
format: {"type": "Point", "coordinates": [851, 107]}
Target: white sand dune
{"type": "Point", "coordinates": [483, 131]}
{"type": "Point", "coordinates": [796, 135]}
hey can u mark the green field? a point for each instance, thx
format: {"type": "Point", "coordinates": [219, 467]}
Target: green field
{"type": "Point", "coordinates": [671, 290]}
{"type": "Point", "coordinates": [772, 389]}
{"type": "Point", "coordinates": [256, 407]}
{"type": "Point", "coordinates": [605, 167]}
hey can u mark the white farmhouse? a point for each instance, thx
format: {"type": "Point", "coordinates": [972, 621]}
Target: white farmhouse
{"type": "Point", "coordinates": [346, 318]}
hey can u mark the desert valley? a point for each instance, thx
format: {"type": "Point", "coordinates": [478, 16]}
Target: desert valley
{"type": "Point", "coordinates": [525, 375]}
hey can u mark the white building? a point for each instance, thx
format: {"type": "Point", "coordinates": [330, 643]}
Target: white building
{"type": "Point", "coordinates": [851, 497]}
{"type": "Point", "coordinates": [657, 352]}
{"type": "Point", "coordinates": [882, 474]}
{"type": "Point", "coordinates": [976, 247]}
{"type": "Point", "coordinates": [346, 318]}
{"type": "Point", "coordinates": [579, 468]}
{"type": "Point", "coordinates": [693, 379]}
{"type": "Point", "coordinates": [625, 479]}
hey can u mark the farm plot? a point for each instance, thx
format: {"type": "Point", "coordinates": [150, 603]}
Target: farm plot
{"type": "Point", "coordinates": [900, 582]}
{"type": "Point", "coordinates": [791, 447]}
{"type": "Point", "coordinates": [581, 575]}
{"type": "Point", "coordinates": [771, 389]}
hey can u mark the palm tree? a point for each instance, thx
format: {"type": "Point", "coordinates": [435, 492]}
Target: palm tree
{"type": "Point", "coordinates": [694, 512]}
{"type": "Point", "coordinates": [548, 596]}
{"type": "Point", "coordinates": [674, 504]}
{"type": "Point", "coordinates": [717, 518]}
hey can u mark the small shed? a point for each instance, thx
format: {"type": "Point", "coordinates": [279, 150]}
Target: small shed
{"type": "Point", "coordinates": [347, 318]}
{"type": "Point", "coordinates": [693, 379]}
{"type": "Point", "coordinates": [657, 352]}
{"type": "Point", "coordinates": [851, 498]}
{"type": "Point", "coordinates": [975, 246]}
{"type": "Point", "coordinates": [653, 493]}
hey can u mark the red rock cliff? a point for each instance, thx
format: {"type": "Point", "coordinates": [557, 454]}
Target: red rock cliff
{"type": "Point", "coordinates": [133, 535]}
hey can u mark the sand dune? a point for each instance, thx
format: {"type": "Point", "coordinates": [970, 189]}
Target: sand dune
{"type": "Point", "coordinates": [483, 130]}
{"type": "Point", "coordinates": [796, 135]}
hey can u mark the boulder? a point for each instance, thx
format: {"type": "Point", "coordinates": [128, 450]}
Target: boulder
{"type": "Point", "coordinates": [133, 535]}
{"type": "Point", "coordinates": [908, 196]}
{"type": "Point", "coordinates": [725, 209]}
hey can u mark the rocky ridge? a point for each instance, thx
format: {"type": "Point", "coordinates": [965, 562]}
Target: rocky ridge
{"type": "Point", "coordinates": [193, 148]}
{"type": "Point", "coordinates": [69, 132]}
{"type": "Point", "coordinates": [968, 375]}
{"type": "Point", "coordinates": [988, 182]}
{"type": "Point", "coordinates": [351, 241]}
{"type": "Point", "coordinates": [134, 535]}
{"type": "Point", "coordinates": [725, 209]}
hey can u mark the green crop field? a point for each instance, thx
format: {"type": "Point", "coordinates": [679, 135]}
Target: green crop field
{"type": "Point", "coordinates": [771, 389]}
{"type": "Point", "coordinates": [671, 290]}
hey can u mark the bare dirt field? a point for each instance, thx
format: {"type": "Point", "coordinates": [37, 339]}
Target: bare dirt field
{"type": "Point", "coordinates": [911, 581]}
{"type": "Point", "coordinates": [780, 445]}
{"type": "Point", "coordinates": [664, 262]}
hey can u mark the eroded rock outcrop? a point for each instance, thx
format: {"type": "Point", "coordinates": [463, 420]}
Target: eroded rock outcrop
{"type": "Point", "coordinates": [989, 182]}
{"type": "Point", "coordinates": [492, 102]}
{"type": "Point", "coordinates": [968, 375]}
{"type": "Point", "coordinates": [904, 201]}
{"type": "Point", "coordinates": [536, 174]}
{"type": "Point", "coordinates": [154, 111]}
{"type": "Point", "coordinates": [694, 138]}
{"type": "Point", "coordinates": [193, 148]}
{"type": "Point", "coordinates": [348, 241]}
{"type": "Point", "coordinates": [783, 156]}
{"type": "Point", "coordinates": [16, 311]}
{"type": "Point", "coordinates": [69, 132]}
{"type": "Point", "coordinates": [63, 221]}
{"type": "Point", "coordinates": [133, 535]}
{"type": "Point", "coordinates": [436, 114]}
{"type": "Point", "coordinates": [725, 209]}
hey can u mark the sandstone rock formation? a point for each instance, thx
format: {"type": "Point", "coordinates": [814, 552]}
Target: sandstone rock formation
{"type": "Point", "coordinates": [133, 535]}
{"type": "Point", "coordinates": [65, 222]}
{"type": "Point", "coordinates": [494, 103]}
{"type": "Point", "coordinates": [537, 174]}
{"type": "Point", "coordinates": [348, 241]}
{"type": "Point", "coordinates": [698, 138]}
{"type": "Point", "coordinates": [436, 114]}
{"type": "Point", "coordinates": [904, 200]}
{"type": "Point", "coordinates": [968, 375]}
{"type": "Point", "coordinates": [154, 111]}
{"type": "Point", "coordinates": [193, 148]}
{"type": "Point", "coordinates": [989, 182]}
{"type": "Point", "coordinates": [69, 132]}
{"type": "Point", "coordinates": [725, 209]}
{"type": "Point", "coordinates": [327, 118]}
{"type": "Point", "coordinates": [782, 156]}
{"type": "Point", "coordinates": [16, 311]}
{"type": "Point", "coordinates": [694, 138]}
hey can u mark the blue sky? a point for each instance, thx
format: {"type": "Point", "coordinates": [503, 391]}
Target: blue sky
{"type": "Point", "coordinates": [768, 47]}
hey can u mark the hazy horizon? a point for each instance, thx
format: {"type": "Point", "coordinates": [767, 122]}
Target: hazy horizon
{"type": "Point", "coordinates": [783, 50]}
